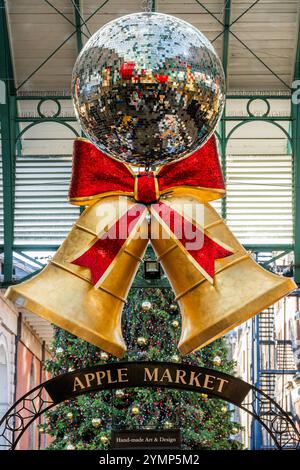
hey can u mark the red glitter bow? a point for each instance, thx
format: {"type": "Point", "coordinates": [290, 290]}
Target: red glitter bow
{"type": "Point", "coordinates": [96, 175]}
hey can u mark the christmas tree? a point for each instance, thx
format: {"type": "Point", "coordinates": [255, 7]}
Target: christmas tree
{"type": "Point", "coordinates": [151, 327]}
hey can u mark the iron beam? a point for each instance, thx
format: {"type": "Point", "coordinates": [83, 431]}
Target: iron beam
{"type": "Point", "coordinates": [275, 258]}
{"type": "Point", "coordinates": [279, 371]}
{"type": "Point", "coordinates": [296, 162]}
{"type": "Point", "coordinates": [63, 15]}
{"type": "Point", "coordinates": [77, 15]}
{"type": "Point", "coordinates": [227, 13]}
{"type": "Point", "coordinates": [269, 247]}
{"type": "Point", "coordinates": [244, 12]}
{"type": "Point", "coordinates": [83, 23]}
{"type": "Point", "coordinates": [8, 137]}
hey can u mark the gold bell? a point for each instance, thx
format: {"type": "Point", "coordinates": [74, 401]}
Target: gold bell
{"type": "Point", "coordinates": [240, 288]}
{"type": "Point", "coordinates": [63, 292]}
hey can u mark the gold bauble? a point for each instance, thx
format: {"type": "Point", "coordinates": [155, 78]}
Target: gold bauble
{"type": "Point", "coordinates": [135, 410]}
{"type": "Point", "coordinates": [203, 395]}
{"type": "Point", "coordinates": [168, 424]}
{"type": "Point", "coordinates": [175, 324]}
{"type": "Point", "coordinates": [104, 439]}
{"type": "Point", "coordinates": [70, 415]}
{"type": "Point", "coordinates": [70, 446]}
{"type": "Point", "coordinates": [217, 361]}
{"type": "Point", "coordinates": [224, 409]}
{"type": "Point", "coordinates": [146, 305]}
{"type": "Point", "coordinates": [96, 422]}
{"type": "Point", "coordinates": [173, 307]}
{"type": "Point", "coordinates": [120, 393]}
{"type": "Point", "coordinates": [142, 341]}
{"type": "Point", "coordinates": [234, 431]}
{"type": "Point", "coordinates": [175, 358]}
{"type": "Point", "coordinates": [104, 356]}
{"type": "Point", "coordinates": [41, 428]}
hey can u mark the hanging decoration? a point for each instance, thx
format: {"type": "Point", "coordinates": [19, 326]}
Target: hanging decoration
{"type": "Point", "coordinates": [142, 341]}
{"type": "Point", "coordinates": [96, 422]}
{"type": "Point", "coordinates": [148, 90]}
{"type": "Point", "coordinates": [146, 306]}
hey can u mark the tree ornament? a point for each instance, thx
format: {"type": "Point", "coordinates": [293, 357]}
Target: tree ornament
{"type": "Point", "coordinates": [59, 350]}
{"type": "Point", "coordinates": [234, 430]}
{"type": "Point", "coordinates": [135, 410]}
{"type": "Point", "coordinates": [175, 324]}
{"type": "Point", "coordinates": [175, 358]}
{"type": "Point", "coordinates": [173, 309]}
{"type": "Point", "coordinates": [41, 428]}
{"type": "Point", "coordinates": [70, 415]}
{"type": "Point", "coordinates": [224, 409]}
{"type": "Point", "coordinates": [217, 361]}
{"type": "Point", "coordinates": [119, 393]}
{"type": "Point", "coordinates": [104, 439]}
{"type": "Point", "coordinates": [146, 306]}
{"type": "Point", "coordinates": [142, 341]}
{"type": "Point", "coordinates": [96, 422]}
{"type": "Point", "coordinates": [135, 76]}
{"type": "Point", "coordinates": [204, 396]}
{"type": "Point", "coordinates": [70, 446]}
{"type": "Point", "coordinates": [168, 424]}
{"type": "Point", "coordinates": [104, 356]}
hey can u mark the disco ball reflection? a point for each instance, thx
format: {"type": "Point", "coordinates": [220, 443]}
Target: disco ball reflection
{"type": "Point", "coordinates": [148, 89]}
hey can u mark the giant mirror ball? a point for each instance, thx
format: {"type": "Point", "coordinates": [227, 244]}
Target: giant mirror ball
{"type": "Point", "coordinates": [148, 89]}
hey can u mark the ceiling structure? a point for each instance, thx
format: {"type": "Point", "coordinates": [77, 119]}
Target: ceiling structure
{"type": "Point", "coordinates": [261, 37]}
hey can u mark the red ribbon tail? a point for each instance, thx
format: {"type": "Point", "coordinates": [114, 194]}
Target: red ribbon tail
{"type": "Point", "coordinates": [100, 256]}
{"type": "Point", "coordinates": [202, 249]}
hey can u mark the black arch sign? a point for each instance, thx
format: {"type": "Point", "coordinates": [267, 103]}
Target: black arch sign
{"type": "Point", "coordinates": [149, 374]}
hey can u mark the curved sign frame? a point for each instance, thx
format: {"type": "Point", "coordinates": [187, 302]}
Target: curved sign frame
{"type": "Point", "coordinates": [116, 375]}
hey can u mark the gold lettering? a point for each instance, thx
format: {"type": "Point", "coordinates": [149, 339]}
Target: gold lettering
{"type": "Point", "coordinates": [100, 374]}
{"type": "Point", "coordinates": [194, 378]}
{"type": "Point", "coordinates": [109, 379]}
{"type": "Point", "coordinates": [207, 381]}
{"type": "Point", "coordinates": [77, 383]}
{"type": "Point", "coordinates": [151, 377]}
{"type": "Point", "coordinates": [166, 375]}
{"type": "Point", "coordinates": [122, 375]}
{"type": "Point", "coordinates": [89, 377]}
{"type": "Point", "coordinates": [222, 382]}
{"type": "Point", "coordinates": [180, 376]}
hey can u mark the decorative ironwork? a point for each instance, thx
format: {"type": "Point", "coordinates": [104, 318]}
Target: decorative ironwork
{"type": "Point", "coordinates": [274, 420]}
{"type": "Point", "coordinates": [22, 414]}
